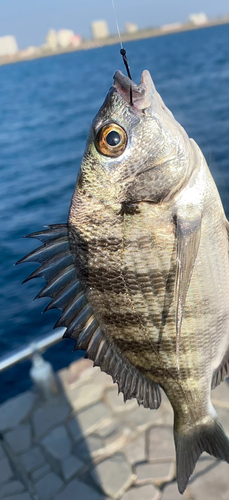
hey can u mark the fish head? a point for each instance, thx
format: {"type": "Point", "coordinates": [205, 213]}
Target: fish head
{"type": "Point", "coordinates": [136, 151]}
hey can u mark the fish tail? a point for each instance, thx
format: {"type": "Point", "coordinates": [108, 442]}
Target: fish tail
{"type": "Point", "coordinates": [208, 436]}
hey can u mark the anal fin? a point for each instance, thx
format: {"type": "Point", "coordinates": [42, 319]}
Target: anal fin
{"type": "Point", "coordinates": [222, 372]}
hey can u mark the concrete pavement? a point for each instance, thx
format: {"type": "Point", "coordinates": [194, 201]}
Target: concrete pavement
{"type": "Point", "coordinates": [87, 444]}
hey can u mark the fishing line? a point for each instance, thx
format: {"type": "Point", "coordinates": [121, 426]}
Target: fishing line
{"type": "Point", "coordinates": [123, 53]}
{"type": "Point", "coordinates": [116, 20]}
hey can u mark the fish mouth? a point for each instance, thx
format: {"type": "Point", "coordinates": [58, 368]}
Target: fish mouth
{"type": "Point", "coordinates": [140, 95]}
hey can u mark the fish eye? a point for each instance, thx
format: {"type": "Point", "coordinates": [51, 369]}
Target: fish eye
{"type": "Point", "coordinates": [111, 140]}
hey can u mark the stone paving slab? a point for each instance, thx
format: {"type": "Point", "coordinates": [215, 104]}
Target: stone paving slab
{"type": "Point", "coordinates": [2, 453]}
{"type": "Point", "coordinates": [5, 470]}
{"type": "Point", "coordinates": [91, 419]}
{"type": "Point", "coordinates": [82, 372]}
{"type": "Point", "coordinates": [86, 395]}
{"type": "Point", "coordinates": [32, 459]}
{"type": "Point", "coordinates": [142, 418]}
{"type": "Point", "coordinates": [70, 466]}
{"type": "Point", "coordinates": [155, 472]}
{"type": "Point", "coordinates": [109, 429]}
{"type": "Point", "coordinates": [22, 496]}
{"type": "Point", "coordinates": [39, 473]}
{"type": "Point", "coordinates": [86, 444]}
{"type": "Point", "coordinates": [76, 490]}
{"type": "Point", "coordinates": [115, 401]}
{"type": "Point", "coordinates": [147, 492]}
{"type": "Point", "coordinates": [215, 484]}
{"type": "Point", "coordinates": [48, 485]}
{"type": "Point", "coordinates": [113, 475]}
{"type": "Point", "coordinates": [160, 443]}
{"type": "Point", "coordinates": [89, 449]}
{"type": "Point", "coordinates": [47, 417]}
{"type": "Point", "coordinates": [19, 439]}
{"type": "Point", "coordinates": [11, 488]}
{"type": "Point", "coordinates": [135, 451]}
{"type": "Point", "coordinates": [171, 493]}
{"type": "Point", "coordinates": [15, 410]}
{"type": "Point", "coordinates": [57, 443]}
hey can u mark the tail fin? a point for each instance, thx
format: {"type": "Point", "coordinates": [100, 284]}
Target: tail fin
{"type": "Point", "coordinates": [207, 436]}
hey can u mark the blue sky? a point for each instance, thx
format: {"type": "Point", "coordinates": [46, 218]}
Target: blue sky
{"type": "Point", "coordinates": [30, 20]}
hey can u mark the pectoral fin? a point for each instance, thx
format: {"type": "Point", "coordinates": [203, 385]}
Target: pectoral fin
{"type": "Point", "coordinates": [188, 240]}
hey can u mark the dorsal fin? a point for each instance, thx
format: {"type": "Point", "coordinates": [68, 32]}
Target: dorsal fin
{"type": "Point", "coordinates": [188, 240]}
{"type": "Point", "coordinates": [57, 266]}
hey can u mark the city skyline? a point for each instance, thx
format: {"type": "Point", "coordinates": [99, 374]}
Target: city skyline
{"type": "Point", "coordinates": [47, 14]}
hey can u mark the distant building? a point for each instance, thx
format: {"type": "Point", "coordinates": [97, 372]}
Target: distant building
{"type": "Point", "coordinates": [99, 29]}
{"type": "Point", "coordinates": [76, 41]}
{"type": "Point", "coordinates": [198, 19]}
{"type": "Point", "coordinates": [8, 45]}
{"type": "Point", "coordinates": [171, 27]}
{"type": "Point", "coordinates": [131, 28]}
{"type": "Point", "coordinates": [52, 40]}
{"type": "Point", "coordinates": [30, 52]}
{"type": "Point", "coordinates": [65, 37]}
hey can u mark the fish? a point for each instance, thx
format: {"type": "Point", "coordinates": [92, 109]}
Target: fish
{"type": "Point", "coordinates": [141, 269]}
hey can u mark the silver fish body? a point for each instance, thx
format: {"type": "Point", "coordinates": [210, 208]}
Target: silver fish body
{"type": "Point", "coordinates": [143, 282]}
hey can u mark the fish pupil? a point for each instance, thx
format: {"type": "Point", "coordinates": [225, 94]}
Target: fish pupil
{"type": "Point", "coordinates": [113, 138]}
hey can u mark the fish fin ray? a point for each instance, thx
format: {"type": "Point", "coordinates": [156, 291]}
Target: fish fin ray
{"type": "Point", "coordinates": [46, 251]}
{"type": "Point", "coordinates": [222, 372]}
{"type": "Point", "coordinates": [80, 320]}
{"type": "Point", "coordinates": [65, 296]}
{"type": "Point", "coordinates": [73, 309]}
{"type": "Point", "coordinates": [188, 240]}
{"type": "Point", "coordinates": [209, 437]}
{"type": "Point", "coordinates": [51, 267]}
{"type": "Point", "coordinates": [59, 282]}
{"type": "Point", "coordinates": [54, 231]}
{"type": "Point", "coordinates": [58, 269]}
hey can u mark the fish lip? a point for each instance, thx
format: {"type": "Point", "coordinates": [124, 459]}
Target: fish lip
{"type": "Point", "coordinates": [123, 82]}
{"type": "Point", "coordinates": [142, 94]}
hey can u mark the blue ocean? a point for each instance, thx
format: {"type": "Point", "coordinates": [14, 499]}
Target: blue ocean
{"type": "Point", "coordinates": [46, 107]}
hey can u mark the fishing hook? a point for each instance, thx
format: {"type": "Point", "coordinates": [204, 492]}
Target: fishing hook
{"type": "Point", "coordinates": [125, 60]}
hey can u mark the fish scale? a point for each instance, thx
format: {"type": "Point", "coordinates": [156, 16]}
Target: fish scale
{"type": "Point", "coordinates": [141, 269]}
{"type": "Point", "coordinates": [141, 256]}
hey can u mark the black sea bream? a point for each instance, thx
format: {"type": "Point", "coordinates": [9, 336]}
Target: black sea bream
{"type": "Point", "coordinates": [141, 269]}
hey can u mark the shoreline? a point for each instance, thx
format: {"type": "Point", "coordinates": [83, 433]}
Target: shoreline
{"type": "Point", "coordinates": [113, 40]}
